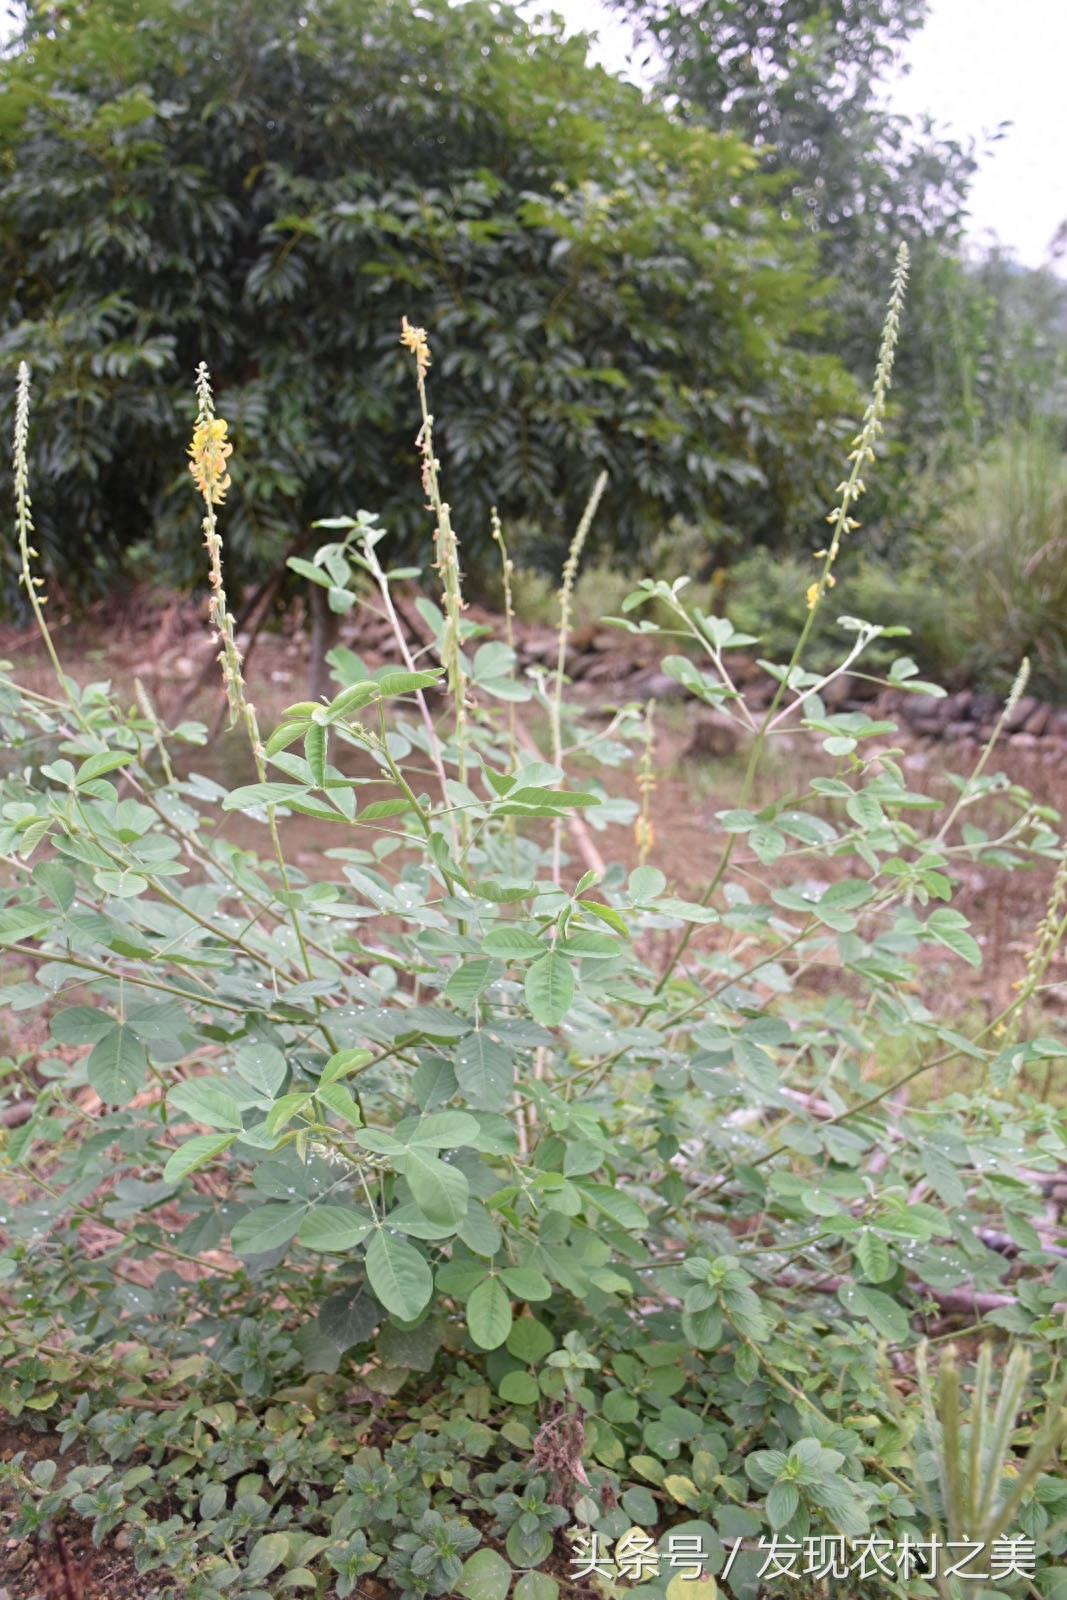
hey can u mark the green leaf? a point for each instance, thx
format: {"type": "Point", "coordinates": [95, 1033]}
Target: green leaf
{"type": "Point", "coordinates": [260, 795]}
{"type": "Point", "coordinates": [550, 988]}
{"type": "Point", "coordinates": [266, 1554]}
{"type": "Point", "coordinates": [118, 1065]}
{"type": "Point", "coordinates": [467, 982]}
{"type": "Point", "coordinates": [441, 1192]}
{"type": "Point", "coordinates": [18, 924]}
{"type": "Point", "coordinates": [57, 881]}
{"type": "Point", "coordinates": [526, 1283]}
{"type": "Point", "coordinates": [529, 1340]}
{"type": "Point", "coordinates": [620, 1207]}
{"type": "Point", "coordinates": [874, 1257]}
{"type": "Point", "coordinates": [379, 809]}
{"type": "Point", "coordinates": [646, 883]}
{"type": "Point", "coordinates": [81, 1025]}
{"type": "Point", "coordinates": [486, 1576]}
{"type": "Point", "coordinates": [509, 943]}
{"type": "Point", "coordinates": [394, 682]}
{"type": "Point", "coordinates": [606, 914]}
{"type": "Point", "coordinates": [315, 748]}
{"type": "Point", "coordinates": [519, 1389]}
{"type": "Point", "coordinates": [334, 1228]}
{"type": "Point", "coordinates": [96, 766]}
{"type": "Point", "coordinates": [353, 699]}
{"type": "Point", "coordinates": [880, 1309]}
{"type": "Point", "coordinates": [484, 1072]}
{"type": "Point", "coordinates": [536, 1586]}
{"type": "Point", "coordinates": [206, 1100]}
{"type": "Point", "coordinates": [262, 1066]}
{"type": "Point", "coordinates": [489, 1314]}
{"type": "Point", "coordinates": [782, 1502]}
{"type": "Point", "coordinates": [950, 929]}
{"type": "Point", "coordinates": [266, 1228]}
{"type": "Point", "coordinates": [341, 1101]}
{"type": "Point", "coordinates": [399, 1275]}
{"type": "Point", "coordinates": [444, 1130]}
{"type": "Point", "coordinates": [196, 1152]}
{"type": "Point", "coordinates": [283, 736]}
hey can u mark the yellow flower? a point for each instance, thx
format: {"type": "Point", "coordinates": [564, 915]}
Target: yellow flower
{"type": "Point", "coordinates": [414, 339]}
{"type": "Point", "coordinates": [209, 451]}
{"type": "Point", "coordinates": [644, 835]}
{"type": "Point", "coordinates": [812, 596]}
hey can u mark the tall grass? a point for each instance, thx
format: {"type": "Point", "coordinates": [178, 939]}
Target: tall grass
{"type": "Point", "coordinates": [1003, 546]}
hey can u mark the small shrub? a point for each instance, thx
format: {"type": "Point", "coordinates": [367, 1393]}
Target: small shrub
{"type": "Point", "coordinates": [360, 1225]}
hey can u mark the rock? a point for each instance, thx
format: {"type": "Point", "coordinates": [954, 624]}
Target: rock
{"type": "Point", "coordinates": [862, 689]}
{"type": "Point", "coordinates": [959, 732]}
{"type": "Point", "coordinates": [1037, 723]}
{"type": "Point", "coordinates": [836, 693]}
{"type": "Point", "coordinates": [925, 716]}
{"type": "Point", "coordinates": [1024, 709]}
{"type": "Point", "coordinates": [540, 646]}
{"type": "Point", "coordinates": [1024, 741]}
{"type": "Point", "coordinates": [582, 664]}
{"type": "Point", "coordinates": [713, 735]}
{"type": "Point", "coordinates": [984, 707]}
{"type": "Point", "coordinates": [957, 707]}
{"type": "Point", "coordinates": [656, 686]}
{"type": "Point", "coordinates": [1056, 727]}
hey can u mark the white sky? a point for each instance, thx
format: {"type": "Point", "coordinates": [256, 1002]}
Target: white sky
{"type": "Point", "coordinates": [975, 64]}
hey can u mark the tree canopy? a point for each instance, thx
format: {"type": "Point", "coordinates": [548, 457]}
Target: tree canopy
{"type": "Point", "coordinates": [271, 186]}
{"type": "Point", "coordinates": [805, 84]}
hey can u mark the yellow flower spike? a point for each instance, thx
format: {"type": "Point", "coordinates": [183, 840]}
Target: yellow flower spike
{"type": "Point", "coordinates": [415, 340]}
{"type": "Point", "coordinates": [209, 453]}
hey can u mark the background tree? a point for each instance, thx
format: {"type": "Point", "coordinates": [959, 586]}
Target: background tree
{"type": "Point", "coordinates": [804, 83]}
{"type": "Point", "coordinates": [272, 185]}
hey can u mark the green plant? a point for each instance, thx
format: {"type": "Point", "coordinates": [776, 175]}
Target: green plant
{"type": "Point", "coordinates": [765, 595]}
{"type": "Point", "coordinates": [352, 1218]}
{"type": "Point", "coordinates": [966, 1470]}
{"type": "Point", "coordinates": [999, 550]}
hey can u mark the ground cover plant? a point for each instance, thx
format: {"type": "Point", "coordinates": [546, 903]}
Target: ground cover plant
{"type": "Point", "coordinates": [424, 1228]}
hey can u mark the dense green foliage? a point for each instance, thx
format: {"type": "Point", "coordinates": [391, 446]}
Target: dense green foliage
{"type": "Point", "coordinates": [551, 1201]}
{"type": "Point", "coordinates": [805, 85]}
{"type": "Point", "coordinates": [273, 185]}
